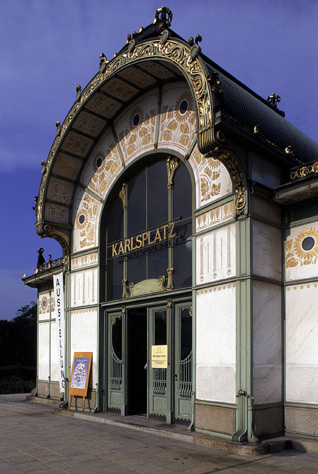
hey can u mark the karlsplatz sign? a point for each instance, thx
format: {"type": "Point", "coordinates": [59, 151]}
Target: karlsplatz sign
{"type": "Point", "coordinates": [60, 326]}
{"type": "Point", "coordinates": [146, 239]}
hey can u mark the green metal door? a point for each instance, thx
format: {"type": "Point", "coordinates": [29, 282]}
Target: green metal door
{"type": "Point", "coordinates": [116, 378]}
{"type": "Point", "coordinates": [170, 386]}
{"type": "Point", "coordinates": [159, 372]}
{"type": "Point", "coordinates": [183, 361]}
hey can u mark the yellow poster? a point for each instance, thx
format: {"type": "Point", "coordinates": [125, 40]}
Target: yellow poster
{"type": "Point", "coordinates": [159, 357]}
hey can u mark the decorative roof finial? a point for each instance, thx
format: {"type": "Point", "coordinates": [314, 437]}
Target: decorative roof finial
{"type": "Point", "coordinates": [273, 99]}
{"type": "Point", "coordinates": [164, 16]}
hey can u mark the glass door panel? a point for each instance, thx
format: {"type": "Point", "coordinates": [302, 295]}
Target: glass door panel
{"type": "Point", "coordinates": [115, 361]}
{"type": "Point", "coordinates": [183, 362]}
{"type": "Point", "coordinates": [159, 363]}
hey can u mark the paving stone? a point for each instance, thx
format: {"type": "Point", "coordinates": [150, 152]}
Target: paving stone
{"type": "Point", "coordinates": [38, 441]}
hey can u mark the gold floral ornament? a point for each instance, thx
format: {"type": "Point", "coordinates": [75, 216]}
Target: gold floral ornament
{"type": "Point", "coordinates": [172, 165]}
{"type": "Point", "coordinates": [303, 250]}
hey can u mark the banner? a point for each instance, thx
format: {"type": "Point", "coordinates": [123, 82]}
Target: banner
{"type": "Point", "coordinates": [60, 326]}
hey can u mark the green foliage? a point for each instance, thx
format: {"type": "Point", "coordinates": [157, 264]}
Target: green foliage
{"type": "Point", "coordinates": [18, 351]}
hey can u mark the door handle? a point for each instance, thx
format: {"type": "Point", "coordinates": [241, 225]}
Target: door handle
{"type": "Point", "coordinates": [176, 377]}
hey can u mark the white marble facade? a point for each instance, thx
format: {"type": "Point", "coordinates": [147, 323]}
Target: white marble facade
{"type": "Point", "coordinates": [84, 338]}
{"type": "Point", "coordinates": [267, 343]}
{"type": "Point", "coordinates": [301, 343]}
{"type": "Point", "coordinates": [216, 344]}
{"type": "Point", "coordinates": [84, 290]}
{"type": "Point", "coordinates": [44, 348]}
{"type": "Point", "coordinates": [267, 250]}
{"type": "Point", "coordinates": [216, 255]}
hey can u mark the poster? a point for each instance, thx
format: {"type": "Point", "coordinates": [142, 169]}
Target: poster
{"type": "Point", "coordinates": [80, 373]}
{"type": "Point", "coordinates": [159, 357]}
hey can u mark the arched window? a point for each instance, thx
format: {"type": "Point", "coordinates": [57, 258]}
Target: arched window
{"type": "Point", "coordinates": [149, 227]}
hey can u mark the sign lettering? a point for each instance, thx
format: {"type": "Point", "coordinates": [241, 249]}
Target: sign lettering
{"type": "Point", "coordinates": [60, 325]}
{"type": "Point", "coordinates": [145, 239]}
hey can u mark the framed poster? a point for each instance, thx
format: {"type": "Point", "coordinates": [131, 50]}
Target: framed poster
{"type": "Point", "coordinates": [81, 367]}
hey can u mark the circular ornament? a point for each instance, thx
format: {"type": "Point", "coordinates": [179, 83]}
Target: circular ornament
{"type": "Point", "coordinates": [306, 245]}
{"type": "Point", "coordinates": [81, 220]}
{"type": "Point", "coordinates": [183, 107]}
{"type": "Point", "coordinates": [44, 302]}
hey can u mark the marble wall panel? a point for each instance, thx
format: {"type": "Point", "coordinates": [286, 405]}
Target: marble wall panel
{"type": "Point", "coordinates": [212, 178]}
{"type": "Point", "coordinates": [44, 351]}
{"type": "Point", "coordinates": [177, 127]}
{"type": "Point", "coordinates": [55, 372]}
{"type": "Point", "coordinates": [301, 343]}
{"type": "Point", "coordinates": [136, 126]}
{"type": "Point", "coordinates": [84, 336]}
{"type": "Point", "coordinates": [216, 344]}
{"type": "Point", "coordinates": [216, 255]}
{"type": "Point", "coordinates": [84, 288]}
{"type": "Point", "coordinates": [216, 216]}
{"type": "Point", "coordinates": [265, 209]}
{"type": "Point", "coordinates": [267, 253]}
{"type": "Point", "coordinates": [301, 252]}
{"type": "Point", "coordinates": [267, 342]}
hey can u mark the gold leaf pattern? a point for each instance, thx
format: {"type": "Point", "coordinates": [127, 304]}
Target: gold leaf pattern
{"type": "Point", "coordinates": [296, 253]}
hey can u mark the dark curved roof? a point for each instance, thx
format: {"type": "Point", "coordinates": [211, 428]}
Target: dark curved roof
{"type": "Point", "coordinates": [244, 108]}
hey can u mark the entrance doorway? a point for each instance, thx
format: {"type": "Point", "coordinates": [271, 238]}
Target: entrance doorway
{"type": "Point", "coordinates": [150, 360]}
{"type": "Point", "coordinates": [137, 361]}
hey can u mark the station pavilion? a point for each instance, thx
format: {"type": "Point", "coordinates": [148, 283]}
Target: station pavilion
{"type": "Point", "coordinates": [186, 209]}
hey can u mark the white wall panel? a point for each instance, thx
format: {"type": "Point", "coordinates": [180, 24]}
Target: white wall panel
{"type": "Point", "coordinates": [215, 257]}
{"type": "Point", "coordinates": [44, 351]}
{"type": "Point", "coordinates": [267, 343]}
{"type": "Point", "coordinates": [216, 344]}
{"type": "Point", "coordinates": [84, 336]}
{"type": "Point", "coordinates": [302, 343]}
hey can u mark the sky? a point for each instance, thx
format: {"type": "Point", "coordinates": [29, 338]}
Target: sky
{"type": "Point", "coordinates": [48, 47]}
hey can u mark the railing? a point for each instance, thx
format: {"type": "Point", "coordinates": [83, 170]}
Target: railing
{"type": "Point", "coordinates": [116, 372]}
{"type": "Point", "coordinates": [185, 377]}
{"type": "Point", "coordinates": [159, 382]}
{"type": "Point", "coordinates": [50, 265]}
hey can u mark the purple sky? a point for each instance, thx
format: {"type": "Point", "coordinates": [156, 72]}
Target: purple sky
{"type": "Point", "coordinates": [47, 47]}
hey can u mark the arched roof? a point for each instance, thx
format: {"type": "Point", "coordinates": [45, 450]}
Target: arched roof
{"type": "Point", "coordinates": [151, 57]}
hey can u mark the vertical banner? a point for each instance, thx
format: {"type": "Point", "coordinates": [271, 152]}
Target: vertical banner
{"type": "Point", "coordinates": [60, 326]}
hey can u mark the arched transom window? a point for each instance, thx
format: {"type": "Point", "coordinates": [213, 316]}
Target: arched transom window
{"type": "Point", "coordinates": [149, 228]}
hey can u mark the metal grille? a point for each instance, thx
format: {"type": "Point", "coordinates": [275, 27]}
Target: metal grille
{"type": "Point", "coordinates": [185, 377]}
{"type": "Point", "coordinates": [160, 381]}
{"type": "Point", "coordinates": [116, 371]}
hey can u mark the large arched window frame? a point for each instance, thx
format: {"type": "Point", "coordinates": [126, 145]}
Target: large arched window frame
{"type": "Point", "coordinates": [149, 228]}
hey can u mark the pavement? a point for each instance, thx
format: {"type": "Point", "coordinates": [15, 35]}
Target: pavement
{"type": "Point", "coordinates": [38, 438]}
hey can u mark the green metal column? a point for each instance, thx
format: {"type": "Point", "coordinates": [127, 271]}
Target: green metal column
{"type": "Point", "coordinates": [244, 332]}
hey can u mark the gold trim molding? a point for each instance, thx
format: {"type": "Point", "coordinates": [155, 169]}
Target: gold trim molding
{"type": "Point", "coordinates": [173, 51]}
{"type": "Point", "coordinates": [304, 171]}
